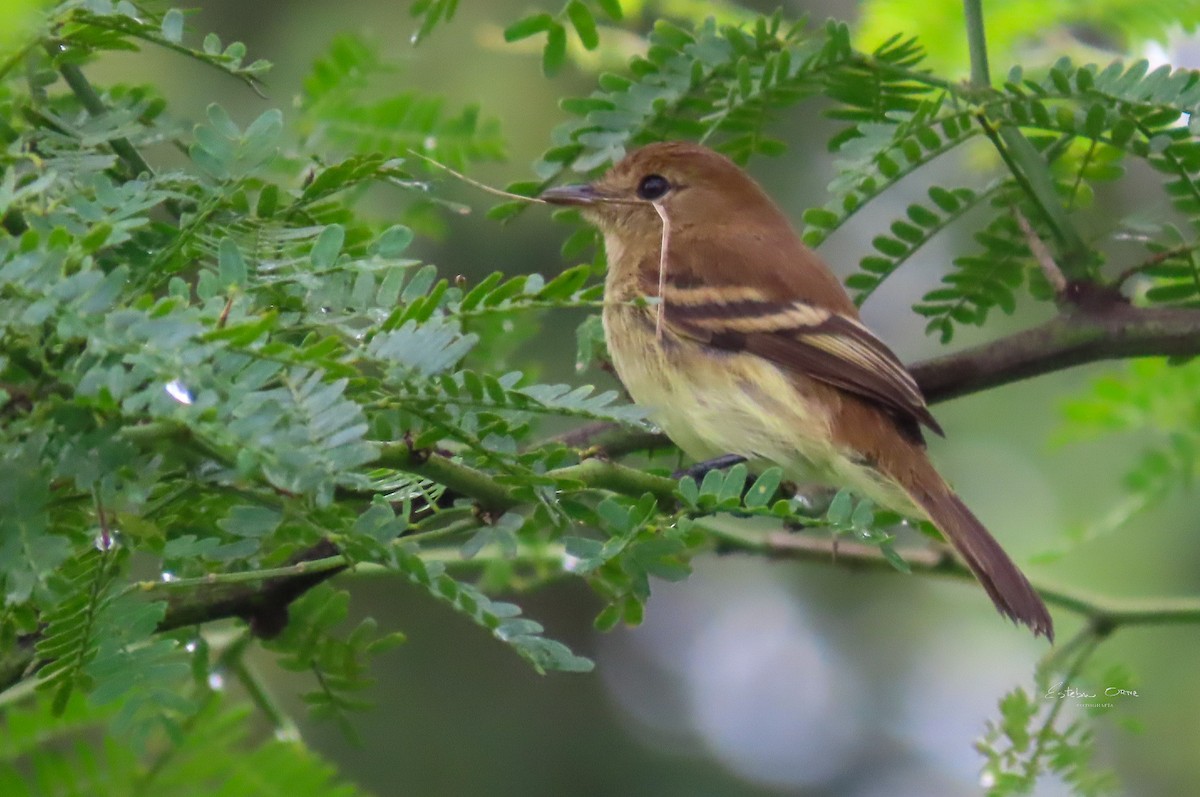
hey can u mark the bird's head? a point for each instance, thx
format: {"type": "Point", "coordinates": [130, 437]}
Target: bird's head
{"type": "Point", "coordinates": [691, 184]}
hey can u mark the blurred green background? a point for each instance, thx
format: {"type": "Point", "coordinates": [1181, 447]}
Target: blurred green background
{"type": "Point", "coordinates": [753, 677]}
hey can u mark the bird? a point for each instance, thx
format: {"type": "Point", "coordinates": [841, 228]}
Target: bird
{"type": "Point", "coordinates": [739, 340]}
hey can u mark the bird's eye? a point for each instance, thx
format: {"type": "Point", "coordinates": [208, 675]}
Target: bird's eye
{"type": "Point", "coordinates": [652, 187]}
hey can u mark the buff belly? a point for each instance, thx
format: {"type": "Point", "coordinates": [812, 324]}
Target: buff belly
{"type": "Point", "coordinates": [712, 403]}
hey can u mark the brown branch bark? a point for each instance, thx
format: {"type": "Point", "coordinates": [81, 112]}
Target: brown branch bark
{"type": "Point", "coordinates": [1078, 336]}
{"type": "Point", "coordinates": [263, 605]}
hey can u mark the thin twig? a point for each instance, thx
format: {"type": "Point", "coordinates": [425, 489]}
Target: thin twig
{"type": "Point", "coordinates": [1042, 255]}
{"type": "Point", "coordinates": [475, 183]}
{"type": "Point", "coordinates": [256, 688]}
{"type": "Point", "coordinates": [95, 107]}
{"type": "Point", "coordinates": [1150, 262]}
{"type": "Point", "coordinates": [1104, 613]}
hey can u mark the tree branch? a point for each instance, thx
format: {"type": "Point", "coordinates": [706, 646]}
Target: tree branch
{"type": "Point", "coordinates": [619, 478]}
{"type": "Point", "coordinates": [1104, 613]}
{"type": "Point", "coordinates": [1081, 335]}
{"type": "Point", "coordinates": [456, 476]}
{"type": "Point", "coordinates": [612, 439]}
{"type": "Point", "coordinates": [260, 598]}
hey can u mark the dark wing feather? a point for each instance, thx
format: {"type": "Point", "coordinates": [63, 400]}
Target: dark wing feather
{"type": "Point", "coordinates": [825, 346]}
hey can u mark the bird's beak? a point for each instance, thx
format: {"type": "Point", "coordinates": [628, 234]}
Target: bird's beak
{"type": "Point", "coordinates": [583, 194]}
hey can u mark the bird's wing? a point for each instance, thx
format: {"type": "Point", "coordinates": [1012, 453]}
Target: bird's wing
{"type": "Point", "coordinates": [823, 345]}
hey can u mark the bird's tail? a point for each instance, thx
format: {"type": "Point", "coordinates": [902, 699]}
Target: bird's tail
{"type": "Point", "coordinates": [1004, 583]}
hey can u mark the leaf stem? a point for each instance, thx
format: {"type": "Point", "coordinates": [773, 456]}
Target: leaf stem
{"type": "Point", "coordinates": [234, 659]}
{"type": "Point", "coordinates": [977, 43]}
{"type": "Point", "coordinates": [91, 101]}
{"type": "Point", "coordinates": [245, 577]}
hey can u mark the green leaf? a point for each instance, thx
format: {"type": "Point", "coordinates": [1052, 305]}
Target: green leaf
{"type": "Point", "coordinates": [268, 201]}
{"type": "Point", "coordinates": [1175, 292]}
{"type": "Point", "coordinates": [555, 52]}
{"type": "Point", "coordinates": [943, 199]}
{"type": "Point", "coordinates": [689, 491]}
{"type": "Point", "coordinates": [894, 559]}
{"type": "Point", "coordinates": [733, 484]}
{"type": "Point", "coordinates": [172, 25]}
{"type": "Point", "coordinates": [29, 552]}
{"type": "Point", "coordinates": [1017, 711]}
{"type": "Point", "coordinates": [820, 217]}
{"type": "Point", "coordinates": [608, 618]}
{"type": "Point", "coordinates": [584, 24]}
{"type": "Point", "coordinates": [763, 489]}
{"type": "Point", "coordinates": [262, 136]}
{"type": "Point", "coordinates": [712, 484]}
{"type": "Point", "coordinates": [589, 342]}
{"type": "Point", "coordinates": [502, 619]}
{"type": "Point", "coordinates": [231, 266]}
{"type": "Point", "coordinates": [889, 246]}
{"type": "Point", "coordinates": [528, 26]}
{"type": "Point", "coordinates": [612, 8]}
{"type": "Point", "coordinates": [250, 521]}
{"type": "Point", "coordinates": [393, 241]}
{"type": "Point", "coordinates": [840, 509]}
{"type": "Point", "coordinates": [615, 517]}
{"type": "Point", "coordinates": [863, 517]}
{"type": "Point", "coordinates": [590, 554]}
{"type": "Point", "coordinates": [328, 244]}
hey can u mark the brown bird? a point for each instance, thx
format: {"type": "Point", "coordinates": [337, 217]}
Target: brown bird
{"type": "Point", "coordinates": [739, 340]}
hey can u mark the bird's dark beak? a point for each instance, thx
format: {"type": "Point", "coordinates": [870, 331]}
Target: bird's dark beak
{"type": "Point", "coordinates": [572, 195]}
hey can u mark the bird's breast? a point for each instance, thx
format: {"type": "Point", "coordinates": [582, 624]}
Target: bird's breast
{"type": "Point", "coordinates": [712, 402]}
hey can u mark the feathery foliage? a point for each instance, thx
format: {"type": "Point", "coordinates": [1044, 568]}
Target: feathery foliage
{"type": "Point", "coordinates": [221, 383]}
